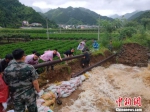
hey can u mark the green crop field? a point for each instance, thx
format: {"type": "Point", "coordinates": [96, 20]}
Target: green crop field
{"type": "Point", "coordinates": [41, 46]}
{"type": "Point", "coordinates": [53, 34]}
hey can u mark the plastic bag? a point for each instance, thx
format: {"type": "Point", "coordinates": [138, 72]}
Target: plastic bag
{"type": "Point", "coordinates": [3, 91]}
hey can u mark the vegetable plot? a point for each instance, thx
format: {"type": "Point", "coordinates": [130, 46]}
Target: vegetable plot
{"type": "Point", "coordinates": [41, 46]}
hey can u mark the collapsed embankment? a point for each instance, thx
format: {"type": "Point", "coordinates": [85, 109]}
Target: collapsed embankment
{"type": "Point", "coordinates": [64, 72]}
{"type": "Point", "coordinates": [133, 54]}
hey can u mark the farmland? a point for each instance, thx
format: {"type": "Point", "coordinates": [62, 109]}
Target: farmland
{"type": "Point", "coordinates": [41, 46]}
{"type": "Point", "coordinates": [36, 39]}
{"type": "Point", "coordinates": [53, 34]}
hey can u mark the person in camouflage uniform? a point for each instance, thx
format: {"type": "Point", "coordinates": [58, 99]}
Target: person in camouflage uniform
{"type": "Point", "coordinates": [22, 81]}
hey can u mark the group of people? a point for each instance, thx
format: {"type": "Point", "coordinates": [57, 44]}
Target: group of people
{"type": "Point", "coordinates": [19, 78]}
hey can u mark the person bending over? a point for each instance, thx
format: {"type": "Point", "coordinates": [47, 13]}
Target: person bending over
{"type": "Point", "coordinates": [49, 55]}
{"type": "Point", "coordinates": [32, 59]}
{"type": "Point", "coordinates": [68, 53]}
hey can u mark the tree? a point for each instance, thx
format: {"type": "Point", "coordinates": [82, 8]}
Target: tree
{"type": "Point", "coordinates": [145, 22]}
{"type": "Point", "coordinates": [117, 23]}
{"type": "Point", "coordinates": [109, 26]}
{"type": "Point", "coordinates": [131, 24]}
{"type": "Point", "coordinates": [127, 32]}
{"type": "Point", "coordinates": [12, 14]}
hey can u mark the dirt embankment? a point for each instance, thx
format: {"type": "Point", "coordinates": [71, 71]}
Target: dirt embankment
{"type": "Point", "coordinates": [64, 72]}
{"type": "Point", "coordinates": [133, 54]}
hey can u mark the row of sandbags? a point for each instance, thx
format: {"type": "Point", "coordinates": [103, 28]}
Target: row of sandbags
{"type": "Point", "coordinates": [65, 88]}
{"type": "Point", "coordinates": [62, 89]}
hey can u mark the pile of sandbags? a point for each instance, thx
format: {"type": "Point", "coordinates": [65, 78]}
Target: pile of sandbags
{"type": "Point", "coordinates": [46, 102]}
{"type": "Point", "coordinates": [65, 88]}
{"type": "Point", "coordinates": [62, 89]}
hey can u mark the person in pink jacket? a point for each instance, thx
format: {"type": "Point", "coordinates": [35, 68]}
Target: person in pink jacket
{"type": "Point", "coordinates": [49, 55]}
{"type": "Point", "coordinates": [32, 59]}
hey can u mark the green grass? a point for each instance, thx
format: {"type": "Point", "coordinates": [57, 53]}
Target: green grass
{"type": "Point", "coordinates": [99, 51]}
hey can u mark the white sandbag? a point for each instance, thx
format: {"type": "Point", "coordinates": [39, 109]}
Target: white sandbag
{"type": "Point", "coordinates": [88, 74]}
{"type": "Point", "coordinates": [69, 87]}
{"type": "Point", "coordinates": [74, 82]}
{"type": "Point", "coordinates": [39, 102]}
{"type": "Point", "coordinates": [83, 77]}
{"type": "Point", "coordinates": [66, 91]}
{"type": "Point", "coordinates": [80, 82]}
{"type": "Point", "coordinates": [62, 92]}
{"type": "Point", "coordinates": [77, 78]}
{"type": "Point", "coordinates": [63, 87]}
{"type": "Point", "coordinates": [72, 85]}
{"type": "Point", "coordinates": [52, 87]}
{"type": "Point", "coordinates": [41, 108]}
{"type": "Point", "coordinates": [65, 83]}
{"type": "Point", "coordinates": [65, 95]}
{"type": "Point", "coordinates": [49, 88]}
{"type": "Point", "coordinates": [54, 90]}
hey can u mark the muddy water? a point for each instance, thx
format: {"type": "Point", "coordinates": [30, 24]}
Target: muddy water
{"type": "Point", "coordinates": [106, 85]}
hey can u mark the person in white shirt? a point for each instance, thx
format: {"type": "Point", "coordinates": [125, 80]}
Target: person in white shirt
{"type": "Point", "coordinates": [81, 46]}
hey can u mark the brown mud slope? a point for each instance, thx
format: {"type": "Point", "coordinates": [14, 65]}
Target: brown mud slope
{"type": "Point", "coordinates": [133, 54]}
{"type": "Point", "coordinates": [64, 72]}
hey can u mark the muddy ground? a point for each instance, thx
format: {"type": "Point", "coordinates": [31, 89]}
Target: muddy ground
{"type": "Point", "coordinates": [133, 54]}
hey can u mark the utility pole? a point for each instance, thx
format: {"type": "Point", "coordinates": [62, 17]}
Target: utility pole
{"type": "Point", "coordinates": [60, 29]}
{"type": "Point", "coordinates": [47, 29]}
{"type": "Point", "coordinates": [98, 27]}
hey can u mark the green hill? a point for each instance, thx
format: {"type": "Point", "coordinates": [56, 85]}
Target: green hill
{"type": "Point", "coordinates": [136, 15]}
{"type": "Point", "coordinates": [12, 13]}
{"type": "Point", "coordinates": [144, 19]}
{"type": "Point", "coordinates": [127, 15]}
{"type": "Point", "coordinates": [144, 15]}
{"type": "Point", "coordinates": [76, 16]}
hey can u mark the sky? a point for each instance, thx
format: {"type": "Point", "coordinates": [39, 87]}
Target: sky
{"type": "Point", "coordinates": [102, 7]}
